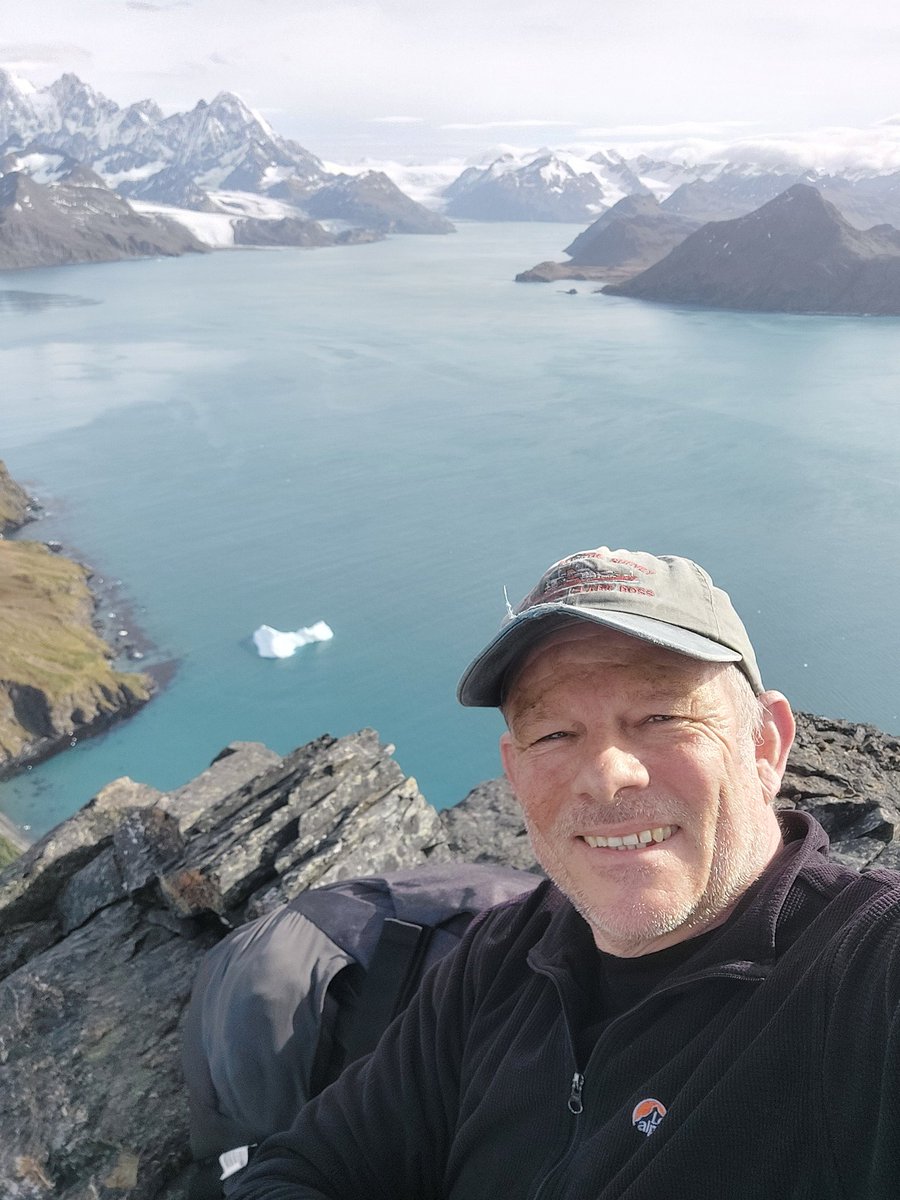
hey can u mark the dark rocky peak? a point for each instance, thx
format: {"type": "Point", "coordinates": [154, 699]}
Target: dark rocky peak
{"type": "Point", "coordinates": [799, 223]}
{"type": "Point", "coordinates": [374, 201]}
{"type": "Point", "coordinates": [634, 211]}
{"type": "Point", "coordinates": [632, 235]}
{"type": "Point", "coordinates": [796, 253]}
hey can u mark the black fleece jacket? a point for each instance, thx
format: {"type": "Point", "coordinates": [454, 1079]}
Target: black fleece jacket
{"type": "Point", "coordinates": [764, 1066]}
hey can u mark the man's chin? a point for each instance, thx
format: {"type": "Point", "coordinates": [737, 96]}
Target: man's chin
{"type": "Point", "coordinates": [630, 924]}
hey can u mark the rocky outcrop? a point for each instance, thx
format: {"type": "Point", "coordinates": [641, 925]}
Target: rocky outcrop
{"type": "Point", "coordinates": [79, 221]}
{"type": "Point", "coordinates": [16, 506]}
{"type": "Point", "coordinates": [102, 925]}
{"type": "Point", "coordinates": [57, 678]}
{"type": "Point", "coordinates": [104, 921]}
{"type": "Point", "coordinates": [795, 254]}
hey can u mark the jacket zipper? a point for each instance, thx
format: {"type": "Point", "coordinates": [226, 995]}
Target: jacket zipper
{"type": "Point", "coordinates": [575, 1103]}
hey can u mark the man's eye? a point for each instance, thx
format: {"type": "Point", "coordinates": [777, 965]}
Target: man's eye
{"type": "Point", "coordinates": [557, 736]}
{"type": "Point", "coordinates": [660, 718]}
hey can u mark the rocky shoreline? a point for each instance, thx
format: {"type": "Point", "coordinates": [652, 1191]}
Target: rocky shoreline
{"type": "Point", "coordinates": [104, 921]}
{"type": "Point", "coordinates": [61, 681]}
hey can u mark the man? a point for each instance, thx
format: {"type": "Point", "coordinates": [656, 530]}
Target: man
{"type": "Point", "coordinates": [699, 1006]}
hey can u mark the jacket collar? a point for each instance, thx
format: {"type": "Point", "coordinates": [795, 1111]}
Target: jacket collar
{"type": "Point", "coordinates": [749, 936]}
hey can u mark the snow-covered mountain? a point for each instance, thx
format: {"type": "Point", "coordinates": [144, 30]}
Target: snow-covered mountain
{"type": "Point", "coordinates": [186, 158]}
{"type": "Point", "coordinates": [551, 186]}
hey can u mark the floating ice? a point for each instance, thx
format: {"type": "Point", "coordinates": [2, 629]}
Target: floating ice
{"type": "Point", "coordinates": [273, 643]}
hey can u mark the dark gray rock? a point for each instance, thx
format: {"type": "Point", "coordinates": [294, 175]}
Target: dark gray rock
{"type": "Point", "coordinates": [232, 769]}
{"type": "Point", "coordinates": [74, 222]}
{"type": "Point", "coordinates": [104, 922]}
{"type": "Point", "coordinates": [94, 887]}
{"type": "Point", "coordinates": [488, 827]}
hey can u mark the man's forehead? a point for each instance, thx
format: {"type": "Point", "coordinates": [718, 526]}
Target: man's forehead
{"type": "Point", "coordinates": [583, 646]}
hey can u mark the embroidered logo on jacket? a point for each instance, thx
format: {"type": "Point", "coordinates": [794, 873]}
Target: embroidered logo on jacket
{"type": "Point", "coordinates": [647, 1115]}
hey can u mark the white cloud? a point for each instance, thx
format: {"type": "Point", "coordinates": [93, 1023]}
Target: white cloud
{"type": "Point", "coordinates": [522, 123]}
{"type": "Point", "coordinates": [396, 120]}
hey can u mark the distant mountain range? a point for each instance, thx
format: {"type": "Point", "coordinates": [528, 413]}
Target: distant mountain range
{"type": "Point", "coordinates": [555, 186]}
{"type": "Point", "coordinates": [83, 179]}
{"type": "Point", "coordinates": [79, 174]}
{"type": "Point", "coordinates": [552, 186]}
{"type": "Point", "coordinates": [796, 253]}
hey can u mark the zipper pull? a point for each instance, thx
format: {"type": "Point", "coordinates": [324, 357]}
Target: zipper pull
{"type": "Point", "coordinates": [575, 1105]}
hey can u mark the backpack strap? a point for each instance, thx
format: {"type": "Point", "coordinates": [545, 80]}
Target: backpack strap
{"type": "Point", "coordinates": [389, 983]}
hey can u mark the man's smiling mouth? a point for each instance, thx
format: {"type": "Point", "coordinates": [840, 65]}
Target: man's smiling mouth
{"type": "Point", "coordinates": [631, 841]}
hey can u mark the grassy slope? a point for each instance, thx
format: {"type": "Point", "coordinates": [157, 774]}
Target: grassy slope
{"type": "Point", "coordinates": [47, 643]}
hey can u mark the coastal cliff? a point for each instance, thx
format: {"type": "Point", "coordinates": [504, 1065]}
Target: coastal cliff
{"type": "Point", "coordinates": [16, 506]}
{"type": "Point", "coordinates": [57, 676]}
{"type": "Point", "coordinates": [104, 921]}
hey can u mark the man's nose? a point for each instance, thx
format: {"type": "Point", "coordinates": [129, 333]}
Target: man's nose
{"type": "Point", "coordinates": [610, 767]}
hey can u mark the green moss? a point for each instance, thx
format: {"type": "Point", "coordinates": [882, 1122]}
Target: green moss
{"type": "Point", "coordinates": [8, 852]}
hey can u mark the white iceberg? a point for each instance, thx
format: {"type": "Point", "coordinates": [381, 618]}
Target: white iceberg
{"type": "Point", "coordinates": [273, 643]}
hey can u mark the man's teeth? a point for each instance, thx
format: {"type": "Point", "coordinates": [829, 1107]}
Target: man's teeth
{"type": "Point", "coordinates": [631, 841]}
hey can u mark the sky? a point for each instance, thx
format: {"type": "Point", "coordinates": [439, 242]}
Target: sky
{"type": "Point", "coordinates": [419, 78]}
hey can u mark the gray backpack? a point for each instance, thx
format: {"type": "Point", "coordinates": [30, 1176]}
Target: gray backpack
{"type": "Point", "coordinates": [284, 1003]}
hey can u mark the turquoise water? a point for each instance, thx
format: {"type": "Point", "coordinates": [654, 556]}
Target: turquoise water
{"type": "Point", "coordinates": [382, 436]}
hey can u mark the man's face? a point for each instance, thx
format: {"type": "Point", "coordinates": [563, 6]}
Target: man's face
{"type": "Point", "coordinates": [645, 795]}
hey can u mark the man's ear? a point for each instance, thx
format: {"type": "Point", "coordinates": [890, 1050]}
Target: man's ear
{"type": "Point", "coordinates": [774, 742]}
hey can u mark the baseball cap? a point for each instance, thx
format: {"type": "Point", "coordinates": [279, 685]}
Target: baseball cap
{"type": "Point", "coordinates": [664, 599]}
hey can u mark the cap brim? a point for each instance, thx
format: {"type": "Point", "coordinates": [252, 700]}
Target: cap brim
{"type": "Point", "coordinates": [481, 685]}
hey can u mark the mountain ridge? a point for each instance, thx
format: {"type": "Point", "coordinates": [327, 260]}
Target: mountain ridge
{"type": "Point", "coordinates": [179, 160]}
{"type": "Point", "coordinates": [796, 253]}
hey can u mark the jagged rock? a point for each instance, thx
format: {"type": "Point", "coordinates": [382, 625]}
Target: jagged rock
{"type": "Point", "coordinates": [108, 916]}
{"type": "Point", "coordinates": [103, 924]}
{"type": "Point", "coordinates": [488, 827]}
